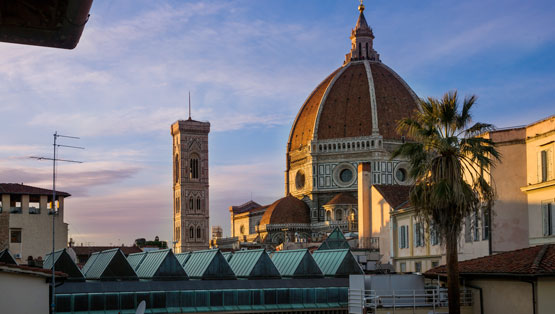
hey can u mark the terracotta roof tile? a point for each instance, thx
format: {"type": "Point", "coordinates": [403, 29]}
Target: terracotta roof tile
{"type": "Point", "coordinates": [395, 195]}
{"type": "Point", "coordinates": [16, 188]}
{"type": "Point", "coordinates": [394, 100]}
{"type": "Point", "coordinates": [303, 127]}
{"type": "Point", "coordinates": [29, 270]}
{"type": "Point", "coordinates": [536, 260]}
{"type": "Point", "coordinates": [343, 199]}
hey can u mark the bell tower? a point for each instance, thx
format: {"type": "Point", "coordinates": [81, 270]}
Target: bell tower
{"type": "Point", "coordinates": [190, 185]}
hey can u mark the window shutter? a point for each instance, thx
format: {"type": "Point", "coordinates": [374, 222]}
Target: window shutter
{"type": "Point", "coordinates": [539, 166]}
{"type": "Point", "coordinates": [550, 164]}
{"type": "Point", "coordinates": [401, 237]}
{"type": "Point", "coordinates": [545, 219]}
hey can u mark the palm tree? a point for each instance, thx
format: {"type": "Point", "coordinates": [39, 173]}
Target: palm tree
{"type": "Point", "coordinates": [450, 166]}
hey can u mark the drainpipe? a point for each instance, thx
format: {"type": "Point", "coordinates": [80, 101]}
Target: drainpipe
{"type": "Point", "coordinates": [533, 283]}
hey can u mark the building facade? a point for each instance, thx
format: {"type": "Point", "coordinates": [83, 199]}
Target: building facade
{"type": "Point", "coordinates": [26, 221]}
{"type": "Point", "coordinates": [190, 185]}
{"type": "Point", "coordinates": [540, 181]}
{"type": "Point", "coordinates": [348, 119]}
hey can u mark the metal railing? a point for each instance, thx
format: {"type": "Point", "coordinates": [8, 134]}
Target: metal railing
{"type": "Point", "coordinates": [396, 299]}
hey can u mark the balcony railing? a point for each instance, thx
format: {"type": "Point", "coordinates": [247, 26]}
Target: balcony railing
{"type": "Point", "coordinates": [34, 210]}
{"type": "Point", "coordinates": [16, 210]}
{"type": "Point", "coordinates": [402, 299]}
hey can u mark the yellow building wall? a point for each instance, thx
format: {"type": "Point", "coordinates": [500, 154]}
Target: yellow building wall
{"type": "Point", "coordinates": [380, 228]}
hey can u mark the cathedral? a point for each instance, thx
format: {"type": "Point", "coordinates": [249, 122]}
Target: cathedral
{"type": "Point", "coordinates": [348, 119]}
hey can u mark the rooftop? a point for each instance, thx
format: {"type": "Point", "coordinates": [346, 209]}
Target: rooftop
{"type": "Point", "coordinates": [532, 261]}
{"type": "Point", "coordinates": [21, 189]}
{"type": "Point", "coordinates": [395, 195]}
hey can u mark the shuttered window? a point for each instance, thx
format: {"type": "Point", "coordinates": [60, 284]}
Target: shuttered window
{"type": "Point", "coordinates": [548, 218]}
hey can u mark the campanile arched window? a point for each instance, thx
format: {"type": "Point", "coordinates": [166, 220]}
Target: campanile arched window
{"type": "Point", "coordinates": [176, 168]}
{"type": "Point", "coordinates": [191, 203]}
{"type": "Point", "coordinates": [198, 203]}
{"type": "Point", "coordinates": [198, 233]}
{"type": "Point", "coordinates": [194, 167]}
{"type": "Point", "coordinates": [191, 232]}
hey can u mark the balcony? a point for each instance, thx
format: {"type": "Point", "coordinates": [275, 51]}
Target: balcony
{"type": "Point", "coordinates": [429, 300]}
{"type": "Point", "coordinates": [34, 210]}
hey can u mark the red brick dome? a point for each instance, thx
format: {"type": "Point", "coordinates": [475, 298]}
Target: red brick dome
{"type": "Point", "coordinates": [286, 210]}
{"type": "Point", "coordinates": [363, 97]}
{"type": "Point", "coordinates": [358, 99]}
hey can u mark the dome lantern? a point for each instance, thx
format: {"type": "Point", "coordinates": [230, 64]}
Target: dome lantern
{"type": "Point", "coordinates": [362, 38]}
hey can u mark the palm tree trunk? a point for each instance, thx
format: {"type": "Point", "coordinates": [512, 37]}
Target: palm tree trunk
{"type": "Point", "coordinates": [453, 288]}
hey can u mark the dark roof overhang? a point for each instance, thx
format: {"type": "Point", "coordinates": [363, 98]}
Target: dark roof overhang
{"type": "Point", "coordinates": [49, 23]}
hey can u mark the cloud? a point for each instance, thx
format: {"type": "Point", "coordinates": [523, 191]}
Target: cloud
{"type": "Point", "coordinates": [71, 179]}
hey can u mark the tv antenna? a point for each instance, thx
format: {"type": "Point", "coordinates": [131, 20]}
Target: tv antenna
{"type": "Point", "coordinates": [189, 105]}
{"type": "Point", "coordinates": [53, 207]}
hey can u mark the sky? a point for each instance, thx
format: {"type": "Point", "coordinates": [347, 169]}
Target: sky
{"type": "Point", "coordinates": [249, 66]}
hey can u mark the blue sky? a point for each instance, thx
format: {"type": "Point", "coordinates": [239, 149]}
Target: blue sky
{"type": "Point", "coordinates": [249, 66]}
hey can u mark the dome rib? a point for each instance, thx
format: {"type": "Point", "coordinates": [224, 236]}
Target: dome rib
{"type": "Point", "coordinates": [303, 126]}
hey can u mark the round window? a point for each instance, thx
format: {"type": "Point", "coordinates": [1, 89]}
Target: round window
{"type": "Point", "coordinates": [401, 174]}
{"type": "Point", "coordinates": [299, 179]}
{"type": "Point", "coordinates": [346, 175]}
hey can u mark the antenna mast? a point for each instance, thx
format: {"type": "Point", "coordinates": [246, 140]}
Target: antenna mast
{"type": "Point", "coordinates": [189, 105]}
{"type": "Point", "coordinates": [54, 159]}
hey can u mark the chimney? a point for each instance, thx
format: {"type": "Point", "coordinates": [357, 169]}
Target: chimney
{"type": "Point", "coordinates": [364, 210]}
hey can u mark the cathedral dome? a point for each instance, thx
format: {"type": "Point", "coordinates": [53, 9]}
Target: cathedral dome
{"type": "Point", "coordinates": [286, 210]}
{"type": "Point", "coordinates": [363, 97]}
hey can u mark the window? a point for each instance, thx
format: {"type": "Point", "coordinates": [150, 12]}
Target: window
{"type": "Point", "coordinates": [548, 218]}
{"type": "Point", "coordinates": [15, 204]}
{"type": "Point", "coordinates": [193, 167]}
{"type": "Point", "coordinates": [418, 235]}
{"type": "Point", "coordinates": [328, 215]}
{"type": "Point", "coordinates": [418, 267]}
{"type": "Point", "coordinates": [467, 230]}
{"type": "Point", "coordinates": [198, 203]}
{"type": "Point", "coordinates": [15, 236]}
{"type": "Point", "coordinates": [485, 224]}
{"type": "Point", "coordinates": [435, 263]}
{"type": "Point", "coordinates": [176, 168]}
{"type": "Point", "coordinates": [403, 237]}
{"type": "Point", "coordinates": [191, 203]}
{"type": "Point", "coordinates": [434, 235]}
{"type": "Point", "coordinates": [34, 205]}
{"type": "Point", "coordinates": [177, 205]}
{"type": "Point", "coordinates": [475, 226]}
{"type": "Point", "coordinates": [198, 233]}
{"type": "Point", "coordinates": [339, 215]}
{"type": "Point", "coordinates": [191, 233]}
{"type": "Point", "coordinates": [545, 165]}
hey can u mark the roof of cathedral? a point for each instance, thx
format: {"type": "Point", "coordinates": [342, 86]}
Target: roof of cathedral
{"type": "Point", "coordinates": [343, 199]}
{"type": "Point", "coordinates": [363, 97]}
{"type": "Point", "coordinates": [395, 195]}
{"type": "Point", "coordinates": [288, 209]}
{"type": "Point", "coordinates": [248, 206]}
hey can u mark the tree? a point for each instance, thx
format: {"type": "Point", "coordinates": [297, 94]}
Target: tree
{"type": "Point", "coordinates": [450, 164]}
